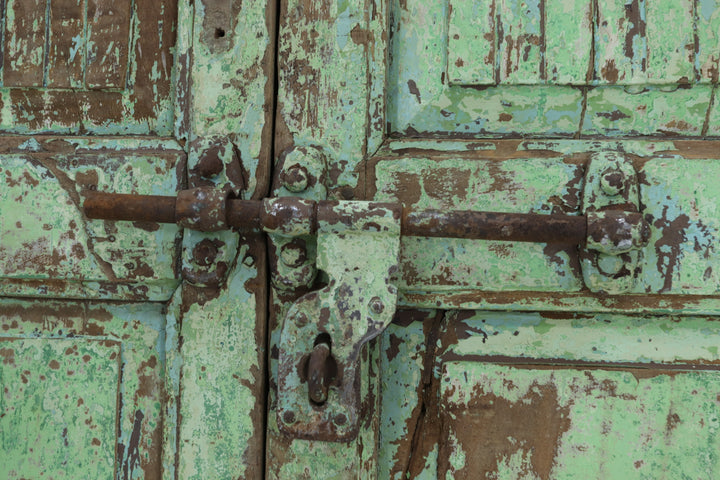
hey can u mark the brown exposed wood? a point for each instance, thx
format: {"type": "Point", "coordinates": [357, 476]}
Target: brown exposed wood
{"type": "Point", "coordinates": [24, 43]}
{"type": "Point", "coordinates": [535, 423]}
{"type": "Point", "coordinates": [108, 26]}
{"type": "Point", "coordinates": [153, 53]}
{"type": "Point", "coordinates": [95, 88]}
{"type": "Point", "coordinates": [254, 453]}
{"type": "Point", "coordinates": [66, 56]}
{"type": "Point", "coordinates": [263, 173]}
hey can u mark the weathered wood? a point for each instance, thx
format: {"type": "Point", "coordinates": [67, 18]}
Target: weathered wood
{"type": "Point", "coordinates": [520, 37]}
{"type": "Point", "coordinates": [222, 389]}
{"type": "Point", "coordinates": [568, 42]}
{"type": "Point", "coordinates": [151, 71]}
{"type": "Point", "coordinates": [24, 42]}
{"type": "Point", "coordinates": [645, 42]}
{"type": "Point", "coordinates": [65, 254]}
{"type": "Point", "coordinates": [66, 44]}
{"type": "Point", "coordinates": [471, 43]}
{"type": "Point", "coordinates": [652, 111]}
{"type": "Point", "coordinates": [225, 84]}
{"type": "Point", "coordinates": [707, 15]}
{"type": "Point", "coordinates": [108, 34]}
{"type": "Point", "coordinates": [331, 65]}
{"type": "Point", "coordinates": [671, 32]}
{"type": "Point", "coordinates": [83, 389]}
{"type": "Point", "coordinates": [104, 77]}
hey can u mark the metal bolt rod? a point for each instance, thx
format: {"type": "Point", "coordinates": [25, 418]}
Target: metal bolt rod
{"type": "Point", "coordinates": [516, 227]}
{"type": "Point", "coordinates": [135, 208]}
{"type": "Point", "coordinates": [247, 215]}
{"type": "Point", "coordinates": [242, 214]}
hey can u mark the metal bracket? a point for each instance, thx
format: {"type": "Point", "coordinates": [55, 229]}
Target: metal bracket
{"type": "Point", "coordinates": [616, 231]}
{"type": "Point", "coordinates": [215, 171]}
{"type": "Point", "coordinates": [358, 245]}
{"type": "Point", "coordinates": [301, 174]}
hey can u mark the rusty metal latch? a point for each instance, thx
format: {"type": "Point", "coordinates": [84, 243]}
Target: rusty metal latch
{"type": "Point", "coordinates": [206, 209]}
{"type": "Point", "coordinates": [357, 245]}
{"type": "Point", "coordinates": [611, 198]}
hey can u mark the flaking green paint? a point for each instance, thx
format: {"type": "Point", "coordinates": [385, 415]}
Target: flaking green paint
{"type": "Point", "coordinates": [639, 427]}
{"type": "Point", "coordinates": [93, 383]}
{"type": "Point", "coordinates": [45, 407]}
{"type": "Point", "coordinates": [439, 155]}
{"type": "Point", "coordinates": [91, 259]}
{"type": "Point", "coordinates": [221, 378]}
{"type": "Point", "coordinates": [331, 93]}
{"type": "Point", "coordinates": [140, 137]}
{"type": "Point", "coordinates": [525, 91]}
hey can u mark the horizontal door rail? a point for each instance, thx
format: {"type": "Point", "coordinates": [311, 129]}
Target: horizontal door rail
{"type": "Point", "coordinates": [210, 210]}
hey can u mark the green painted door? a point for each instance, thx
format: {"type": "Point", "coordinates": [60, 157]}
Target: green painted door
{"type": "Point", "coordinates": [516, 360]}
{"type": "Point", "coordinates": [138, 350]}
{"type": "Point", "coordinates": [130, 349]}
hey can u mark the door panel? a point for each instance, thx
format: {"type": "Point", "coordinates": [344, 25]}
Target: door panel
{"type": "Point", "coordinates": [88, 67]}
{"type": "Point", "coordinates": [465, 105]}
{"type": "Point", "coordinates": [532, 395]}
{"type": "Point", "coordinates": [50, 249]}
{"type": "Point", "coordinates": [83, 389]}
{"type": "Point", "coordinates": [645, 79]}
{"type": "Point", "coordinates": [547, 178]}
{"type": "Point", "coordinates": [36, 356]}
{"type": "Point", "coordinates": [586, 421]}
{"type": "Point", "coordinates": [132, 97]}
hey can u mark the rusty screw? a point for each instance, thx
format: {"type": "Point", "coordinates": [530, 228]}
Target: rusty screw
{"type": "Point", "coordinates": [288, 417]}
{"type": "Point", "coordinates": [295, 178]}
{"type": "Point", "coordinates": [209, 166]}
{"type": "Point", "coordinates": [612, 182]}
{"type": "Point", "coordinates": [293, 254]}
{"type": "Point", "coordinates": [376, 305]}
{"type": "Point", "coordinates": [205, 252]}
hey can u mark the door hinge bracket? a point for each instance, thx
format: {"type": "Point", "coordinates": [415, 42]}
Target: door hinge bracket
{"type": "Point", "coordinates": [358, 245]}
{"type": "Point", "coordinates": [215, 173]}
{"type": "Point", "coordinates": [616, 231]}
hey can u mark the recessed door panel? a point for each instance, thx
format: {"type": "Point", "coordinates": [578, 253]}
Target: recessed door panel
{"type": "Point", "coordinates": [82, 389]}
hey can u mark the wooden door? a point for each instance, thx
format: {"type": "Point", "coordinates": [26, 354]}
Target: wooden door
{"type": "Point", "coordinates": [517, 360]}
{"type": "Point", "coordinates": [130, 349]}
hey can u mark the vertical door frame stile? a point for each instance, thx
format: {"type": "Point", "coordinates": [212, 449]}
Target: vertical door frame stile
{"type": "Point", "coordinates": [3, 4]}
{"type": "Point", "coordinates": [173, 316]}
{"type": "Point", "coordinates": [215, 379]}
{"type": "Point", "coordinates": [331, 97]}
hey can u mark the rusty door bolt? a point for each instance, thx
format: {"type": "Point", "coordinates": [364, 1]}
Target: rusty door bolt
{"type": "Point", "coordinates": [205, 252]}
{"type": "Point", "coordinates": [612, 182]}
{"type": "Point", "coordinates": [209, 166]}
{"type": "Point", "coordinates": [295, 178]}
{"type": "Point", "coordinates": [293, 254]}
